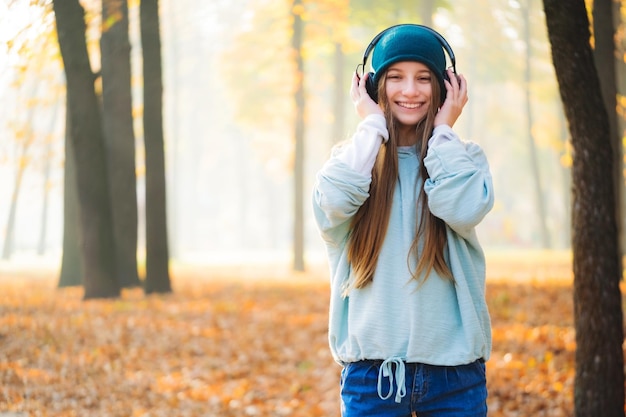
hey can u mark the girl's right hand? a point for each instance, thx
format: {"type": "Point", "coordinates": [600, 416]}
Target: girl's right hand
{"type": "Point", "coordinates": [363, 103]}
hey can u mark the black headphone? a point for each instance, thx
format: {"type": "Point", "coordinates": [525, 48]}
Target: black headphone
{"type": "Point", "coordinates": [372, 89]}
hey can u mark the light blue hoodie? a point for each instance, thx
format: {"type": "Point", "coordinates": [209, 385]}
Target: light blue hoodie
{"type": "Point", "coordinates": [392, 318]}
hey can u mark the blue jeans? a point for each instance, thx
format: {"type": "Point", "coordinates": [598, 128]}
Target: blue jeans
{"type": "Point", "coordinates": [392, 388]}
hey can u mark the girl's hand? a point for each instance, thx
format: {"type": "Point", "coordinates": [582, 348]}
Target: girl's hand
{"type": "Point", "coordinates": [456, 98]}
{"type": "Point", "coordinates": [363, 103]}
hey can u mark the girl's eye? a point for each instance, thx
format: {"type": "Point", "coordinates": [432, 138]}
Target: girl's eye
{"type": "Point", "coordinates": [424, 79]}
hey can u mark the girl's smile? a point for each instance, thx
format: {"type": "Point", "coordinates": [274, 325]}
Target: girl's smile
{"type": "Point", "coordinates": [409, 105]}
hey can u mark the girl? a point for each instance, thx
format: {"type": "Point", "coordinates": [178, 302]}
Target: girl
{"type": "Point", "coordinates": [397, 207]}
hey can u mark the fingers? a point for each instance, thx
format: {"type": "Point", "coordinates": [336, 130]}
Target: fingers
{"type": "Point", "coordinates": [358, 86]}
{"type": "Point", "coordinates": [457, 86]}
{"type": "Point", "coordinates": [363, 103]}
{"type": "Point", "coordinates": [354, 88]}
{"type": "Point", "coordinates": [456, 98]}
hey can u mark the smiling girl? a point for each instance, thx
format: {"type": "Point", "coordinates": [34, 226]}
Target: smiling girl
{"type": "Point", "coordinates": [397, 208]}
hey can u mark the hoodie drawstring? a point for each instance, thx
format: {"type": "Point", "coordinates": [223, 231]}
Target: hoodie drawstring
{"type": "Point", "coordinates": [386, 371]}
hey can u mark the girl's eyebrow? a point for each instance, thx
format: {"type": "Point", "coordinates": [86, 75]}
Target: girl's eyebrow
{"type": "Point", "coordinates": [423, 71]}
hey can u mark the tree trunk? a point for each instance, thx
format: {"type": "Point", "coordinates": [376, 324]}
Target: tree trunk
{"type": "Point", "coordinates": [599, 381]}
{"type": "Point", "coordinates": [298, 223]}
{"type": "Point", "coordinates": [7, 248]}
{"type": "Point", "coordinates": [71, 261]}
{"type": "Point", "coordinates": [88, 144]}
{"type": "Point", "coordinates": [119, 136]}
{"type": "Point", "coordinates": [426, 8]}
{"type": "Point", "coordinates": [22, 163]}
{"type": "Point", "coordinates": [540, 204]}
{"type": "Point", "coordinates": [604, 54]}
{"type": "Point", "coordinates": [566, 175]}
{"type": "Point", "coordinates": [43, 229]}
{"type": "Point", "coordinates": [157, 255]}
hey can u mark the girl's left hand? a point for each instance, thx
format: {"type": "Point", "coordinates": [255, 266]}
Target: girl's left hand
{"type": "Point", "coordinates": [456, 98]}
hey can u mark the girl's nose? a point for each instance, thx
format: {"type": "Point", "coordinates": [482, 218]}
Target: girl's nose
{"type": "Point", "coordinates": [410, 87]}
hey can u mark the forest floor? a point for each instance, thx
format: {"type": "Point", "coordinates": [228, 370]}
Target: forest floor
{"type": "Point", "coordinates": [250, 342]}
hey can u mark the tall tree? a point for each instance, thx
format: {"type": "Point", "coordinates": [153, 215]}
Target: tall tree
{"type": "Point", "coordinates": [26, 140]}
{"type": "Point", "coordinates": [96, 225]}
{"type": "Point", "coordinates": [599, 380]}
{"type": "Point", "coordinates": [47, 168]}
{"type": "Point", "coordinates": [157, 253]}
{"type": "Point", "coordinates": [296, 44]}
{"type": "Point", "coordinates": [117, 121]}
{"type": "Point", "coordinates": [71, 260]}
{"type": "Point", "coordinates": [540, 202]}
{"type": "Point", "coordinates": [426, 8]}
{"type": "Point", "coordinates": [604, 52]}
{"type": "Point", "coordinates": [337, 21]}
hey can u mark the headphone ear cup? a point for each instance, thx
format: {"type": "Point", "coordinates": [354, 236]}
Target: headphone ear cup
{"type": "Point", "coordinates": [444, 92]}
{"type": "Point", "coordinates": [371, 87]}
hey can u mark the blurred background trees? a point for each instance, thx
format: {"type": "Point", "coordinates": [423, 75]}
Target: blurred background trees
{"type": "Point", "coordinates": [234, 169]}
{"type": "Point", "coordinates": [119, 135]}
{"type": "Point", "coordinates": [157, 244]}
{"type": "Point", "coordinates": [95, 224]}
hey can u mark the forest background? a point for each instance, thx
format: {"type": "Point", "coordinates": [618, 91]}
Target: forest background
{"type": "Point", "coordinates": [228, 112]}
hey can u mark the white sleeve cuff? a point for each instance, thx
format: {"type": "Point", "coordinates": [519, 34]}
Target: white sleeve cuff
{"type": "Point", "coordinates": [442, 134]}
{"type": "Point", "coordinates": [360, 154]}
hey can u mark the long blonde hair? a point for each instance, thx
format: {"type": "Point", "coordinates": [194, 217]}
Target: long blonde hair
{"type": "Point", "coordinates": [369, 225]}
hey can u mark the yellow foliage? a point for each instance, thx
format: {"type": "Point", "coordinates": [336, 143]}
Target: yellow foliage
{"type": "Point", "coordinates": [111, 20]}
{"type": "Point", "coordinates": [567, 159]}
{"type": "Point", "coordinates": [298, 10]}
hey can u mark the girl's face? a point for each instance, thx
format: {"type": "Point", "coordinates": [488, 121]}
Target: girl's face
{"type": "Point", "coordinates": [408, 88]}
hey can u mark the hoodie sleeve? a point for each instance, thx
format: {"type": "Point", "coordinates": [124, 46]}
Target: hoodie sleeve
{"type": "Point", "coordinates": [342, 185]}
{"type": "Point", "coordinates": [460, 188]}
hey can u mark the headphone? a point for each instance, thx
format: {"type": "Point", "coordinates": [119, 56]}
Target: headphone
{"type": "Point", "coordinates": [372, 88]}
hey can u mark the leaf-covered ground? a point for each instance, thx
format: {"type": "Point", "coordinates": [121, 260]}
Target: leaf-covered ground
{"type": "Point", "coordinates": [246, 343]}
